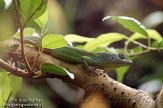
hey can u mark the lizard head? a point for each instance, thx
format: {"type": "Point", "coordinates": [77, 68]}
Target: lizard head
{"type": "Point", "coordinates": [115, 60]}
{"type": "Point", "coordinates": [123, 59]}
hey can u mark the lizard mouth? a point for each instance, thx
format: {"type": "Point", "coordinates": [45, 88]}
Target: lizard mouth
{"type": "Point", "coordinates": [121, 63]}
{"type": "Point", "coordinates": [125, 61]}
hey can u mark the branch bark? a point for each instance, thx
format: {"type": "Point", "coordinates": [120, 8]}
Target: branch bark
{"type": "Point", "coordinates": [117, 93]}
{"type": "Point", "coordinates": [14, 70]}
{"type": "Point", "coordinates": [159, 100]}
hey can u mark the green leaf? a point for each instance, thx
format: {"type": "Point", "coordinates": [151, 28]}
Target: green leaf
{"type": "Point", "coordinates": [27, 32]}
{"type": "Point", "coordinates": [5, 88]}
{"type": "Point", "coordinates": [28, 7]}
{"type": "Point", "coordinates": [78, 39]}
{"type": "Point", "coordinates": [80, 46]}
{"type": "Point", "coordinates": [9, 86]}
{"type": "Point", "coordinates": [136, 49]}
{"type": "Point", "coordinates": [2, 4]}
{"type": "Point", "coordinates": [102, 49]}
{"type": "Point", "coordinates": [121, 72]}
{"type": "Point", "coordinates": [16, 83]}
{"type": "Point", "coordinates": [129, 23]}
{"type": "Point", "coordinates": [157, 44]}
{"type": "Point", "coordinates": [7, 25]}
{"type": "Point", "coordinates": [52, 41]}
{"type": "Point", "coordinates": [42, 20]}
{"type": "Point", "coordinates": [153, 34]}
{"type": "Point", "coordinates": [54, 69]}
{"type": "Point", "coordinates": [104, 40]}
{"type": "Point", "coordinates": [135, 36]}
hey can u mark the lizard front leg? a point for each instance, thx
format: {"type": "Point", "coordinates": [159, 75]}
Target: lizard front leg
{"type": "Point", "coordinates": [87, 62]}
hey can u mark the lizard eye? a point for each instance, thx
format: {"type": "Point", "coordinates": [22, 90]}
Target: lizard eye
{"type": "Point", "coordinates": [120, 55]}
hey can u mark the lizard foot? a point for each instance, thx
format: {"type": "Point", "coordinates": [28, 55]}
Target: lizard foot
{"type": "Point", "coordinates": [91, 71]}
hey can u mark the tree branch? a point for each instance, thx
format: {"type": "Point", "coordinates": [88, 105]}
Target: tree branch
{"type": "Point", "coordinates": [159, 100]}
{"type": "Point", "coordinates": [113, 90]}
{"type": "Point", "coordinates": [117, 93]}
{"type": "Point", "coordinates": [14, 70]}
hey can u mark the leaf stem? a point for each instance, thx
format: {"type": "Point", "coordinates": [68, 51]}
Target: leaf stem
{"type": "Point", "coordinates": [138, 53]}
{"type": "Point", "coordinates": [149, 42]}
{"type": "Point", "coordinates": [21, 28]}
{"type": "Point", "coordinates": [148, 48]}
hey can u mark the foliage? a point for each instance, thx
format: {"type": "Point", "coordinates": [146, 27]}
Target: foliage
{"type": "Point", "coordinates": [38, 13]}
{"type": "Point", "coordinates": [28, 7]}
{"type": "Point", "coordinates": [6, 29]}
{"type": "Point", "coordinates": [9, 86]}
{"type": "Point", "coordinates": [104, 40]}
{"type": "Point", "coordinates": [42, 20]}
{"type": "Point", "coordinates": [129, 23]}
{"type": "Point", "coordinates": [52, 41]}
{"type": "Point", "coordinates": [54, 69]}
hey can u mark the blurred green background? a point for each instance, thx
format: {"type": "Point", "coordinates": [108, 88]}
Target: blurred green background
{"type": "Point", "coordinates": [84, 17]}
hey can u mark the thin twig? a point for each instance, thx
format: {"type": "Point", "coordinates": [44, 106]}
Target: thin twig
{"type": "Point", "coordinates": [135, 42]}
{"type": "Point", "coordinates": [28, 19]}
{"type": "Point", "coordinates": [138, 53]}
{"type": "Point", "coordinates": [149, 41]}
{"type": "Point", "coordinates": [40, 49]}
{"type": "Point", "coordinates": [13, 70]}
{"type": "Point", "coordinates": [126, 48]}
{"type": "Point", "coordinates": [38, 54]}
{"type": "Point", "coordinates": [21, 37]}
{"type": "Point", "coordinates": [148, 49]}
{"type": "Point", "coordinates": [21, 27]}
{"type": "Point", "coordinates": [140, 44]}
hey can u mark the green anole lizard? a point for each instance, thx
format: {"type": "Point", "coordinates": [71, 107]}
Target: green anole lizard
{"type": "Point", "coordinates": [102, 60]}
